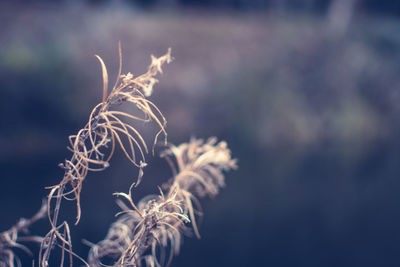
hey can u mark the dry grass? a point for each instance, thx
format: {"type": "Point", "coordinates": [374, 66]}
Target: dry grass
{"type": "Point", "coordinates": [11, 239]}
{"type": "Point", "coordinates": [104, 128]}
{"type": "Point", "coordinates": [157, 223]}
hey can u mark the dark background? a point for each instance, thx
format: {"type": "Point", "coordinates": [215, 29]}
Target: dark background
{"type": "Point", "coordinates": [306, 93]}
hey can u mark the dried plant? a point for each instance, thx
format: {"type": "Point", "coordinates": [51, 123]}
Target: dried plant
{"type": "Point", "coordinates": [157, 223]}
{"type": "Point", "coordinates": [149, 233]}
{"type": "Point", "coordinates": [11, 238]}
{"type": "Point", "coordinates": [105, 127]}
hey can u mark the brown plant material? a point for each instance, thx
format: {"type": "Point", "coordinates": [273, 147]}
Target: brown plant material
{"type": "Point", "coordinates": [105, 128]}
{"type": "Point", "coordinates": [156, 224]}
{"type": "Point", "coordinates": [11, 239]}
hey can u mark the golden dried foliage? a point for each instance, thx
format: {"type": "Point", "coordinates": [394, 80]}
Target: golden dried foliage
{"type": "Point", "coordinates": [12, 238]}
{"type": "Point", "coordinates": [149, 233]}
{"type": "Point", "coordinates": [93, 146]}
{"type": "Point", "coordinates": [156, 224]}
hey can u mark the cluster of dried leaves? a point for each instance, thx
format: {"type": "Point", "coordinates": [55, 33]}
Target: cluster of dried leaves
{"type": "Point", "coordinates": [105, 128]}
{"type": "Point", "coordinates": [156, 224]}
{"type": "Point", "coordinates": [144, 232]}
{"type": "Point", "coordinates": [11, 238]}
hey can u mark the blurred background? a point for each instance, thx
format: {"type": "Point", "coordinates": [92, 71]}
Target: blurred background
{"type": "Point", "coordinates": [305, 92]}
